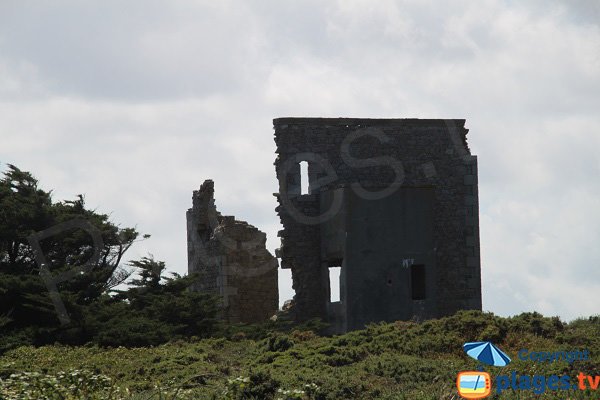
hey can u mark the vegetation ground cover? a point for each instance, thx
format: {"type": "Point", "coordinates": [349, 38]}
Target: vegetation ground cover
{"type": "Point", "coordinates": [402, 360]}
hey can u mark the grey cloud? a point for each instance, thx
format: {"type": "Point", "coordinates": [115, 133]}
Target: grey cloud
{"type": "Point", "coordinates": [138, 50]}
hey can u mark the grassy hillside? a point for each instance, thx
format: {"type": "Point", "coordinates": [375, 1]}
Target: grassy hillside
{"type": "Point", "coordinates": [402, 360]}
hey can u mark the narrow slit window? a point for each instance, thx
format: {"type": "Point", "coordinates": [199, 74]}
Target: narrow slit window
{"type": "Point", "coordinates": [304, 177]}
{"type": "Point", "coordinates": [334, 283]}
{"type": "Point", "coordinates": [417, 280]}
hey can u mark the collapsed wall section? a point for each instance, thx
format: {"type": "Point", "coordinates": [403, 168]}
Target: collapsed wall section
{"type": "Point", "coordinates": [231, 260]}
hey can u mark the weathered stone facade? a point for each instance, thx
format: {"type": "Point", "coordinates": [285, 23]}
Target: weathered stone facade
{"type": "Point", "coordinates": [394, 203]}
{"type": "Point", "coordinates": [231, 260]}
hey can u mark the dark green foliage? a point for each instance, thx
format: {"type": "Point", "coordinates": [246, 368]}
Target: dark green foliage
{"type": "Point", "coordinates": [25, 304]}
{"type": "Point", "coordinates": [278, 342]}
{"type": "Point", "coordinates": [261, 330]}
{"type": "Point", "coordinates": [259, 385]}
{"type": "Point", "coordinates": [536, 324]}
{"type": "Point", "coordinates": [188, 312]}
{"type": "Point", "coordinates": [153, 310]}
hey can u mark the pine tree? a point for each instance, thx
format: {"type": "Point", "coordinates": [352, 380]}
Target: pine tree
{"type": "Point", "coordinates": [25, 303]}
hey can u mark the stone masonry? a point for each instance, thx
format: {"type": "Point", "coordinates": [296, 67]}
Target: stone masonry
{"type": "Point", "coordinates": [231, 260]}
{"type": "Point", "coordinates": [393, 203]}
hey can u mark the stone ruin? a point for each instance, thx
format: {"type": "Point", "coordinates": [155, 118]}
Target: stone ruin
{"type": "Point", "coordinates": [231, 260]}
{"type": "Point", "coordinates": [391, 203]}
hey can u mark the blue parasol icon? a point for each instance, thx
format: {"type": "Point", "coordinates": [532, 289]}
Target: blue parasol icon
{"type": "Point", "coordinates": [486, 353]}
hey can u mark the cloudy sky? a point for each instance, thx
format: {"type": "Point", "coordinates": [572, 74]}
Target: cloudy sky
{"type": "Point", "coordinates": [135, 103]}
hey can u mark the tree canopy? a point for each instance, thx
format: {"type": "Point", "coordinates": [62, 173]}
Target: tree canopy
{"type": "Point", "coordinates": [96, 310]}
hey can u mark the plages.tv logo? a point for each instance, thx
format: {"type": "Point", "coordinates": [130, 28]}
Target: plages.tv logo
{"type": "Point", "coordinates": [478, 384]}
{"type": "Point", "coordinates": [473, 384]}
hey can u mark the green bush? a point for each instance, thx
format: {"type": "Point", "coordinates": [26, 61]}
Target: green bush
{"type": "Point", "coordinates": [536, 324]}
{"type": "Point", "coordinates": [258, 385]}
{"type": "Point", "coordinates": [278, 342]}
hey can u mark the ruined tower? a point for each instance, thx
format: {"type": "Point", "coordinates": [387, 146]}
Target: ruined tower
{"type": "Point", "coordinates": [394, 203]}
{"type": "Point", "coordinates": [231, 260]}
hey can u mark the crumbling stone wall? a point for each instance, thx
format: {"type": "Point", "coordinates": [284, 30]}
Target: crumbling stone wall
{"type": "Point", "coordinates": [426, 164]}
{"type": "Point", "coordinates": [231, 260]}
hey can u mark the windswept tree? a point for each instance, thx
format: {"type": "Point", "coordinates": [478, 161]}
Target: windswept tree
{"type": "Point", "coordinates": [25, 209]}
{"type": "Point", "coordinates": [155, 308]}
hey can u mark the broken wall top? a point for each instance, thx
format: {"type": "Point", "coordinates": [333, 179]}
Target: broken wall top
{"type": "Point", "coordinates": [394, 125]}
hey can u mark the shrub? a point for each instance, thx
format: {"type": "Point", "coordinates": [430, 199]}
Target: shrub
{"type": "Point", "coordinates": [258, 385]}
{"type": "Point", "coordinates": [536, 324]}
{"type": "Point", "coordinates": [278, 342]}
